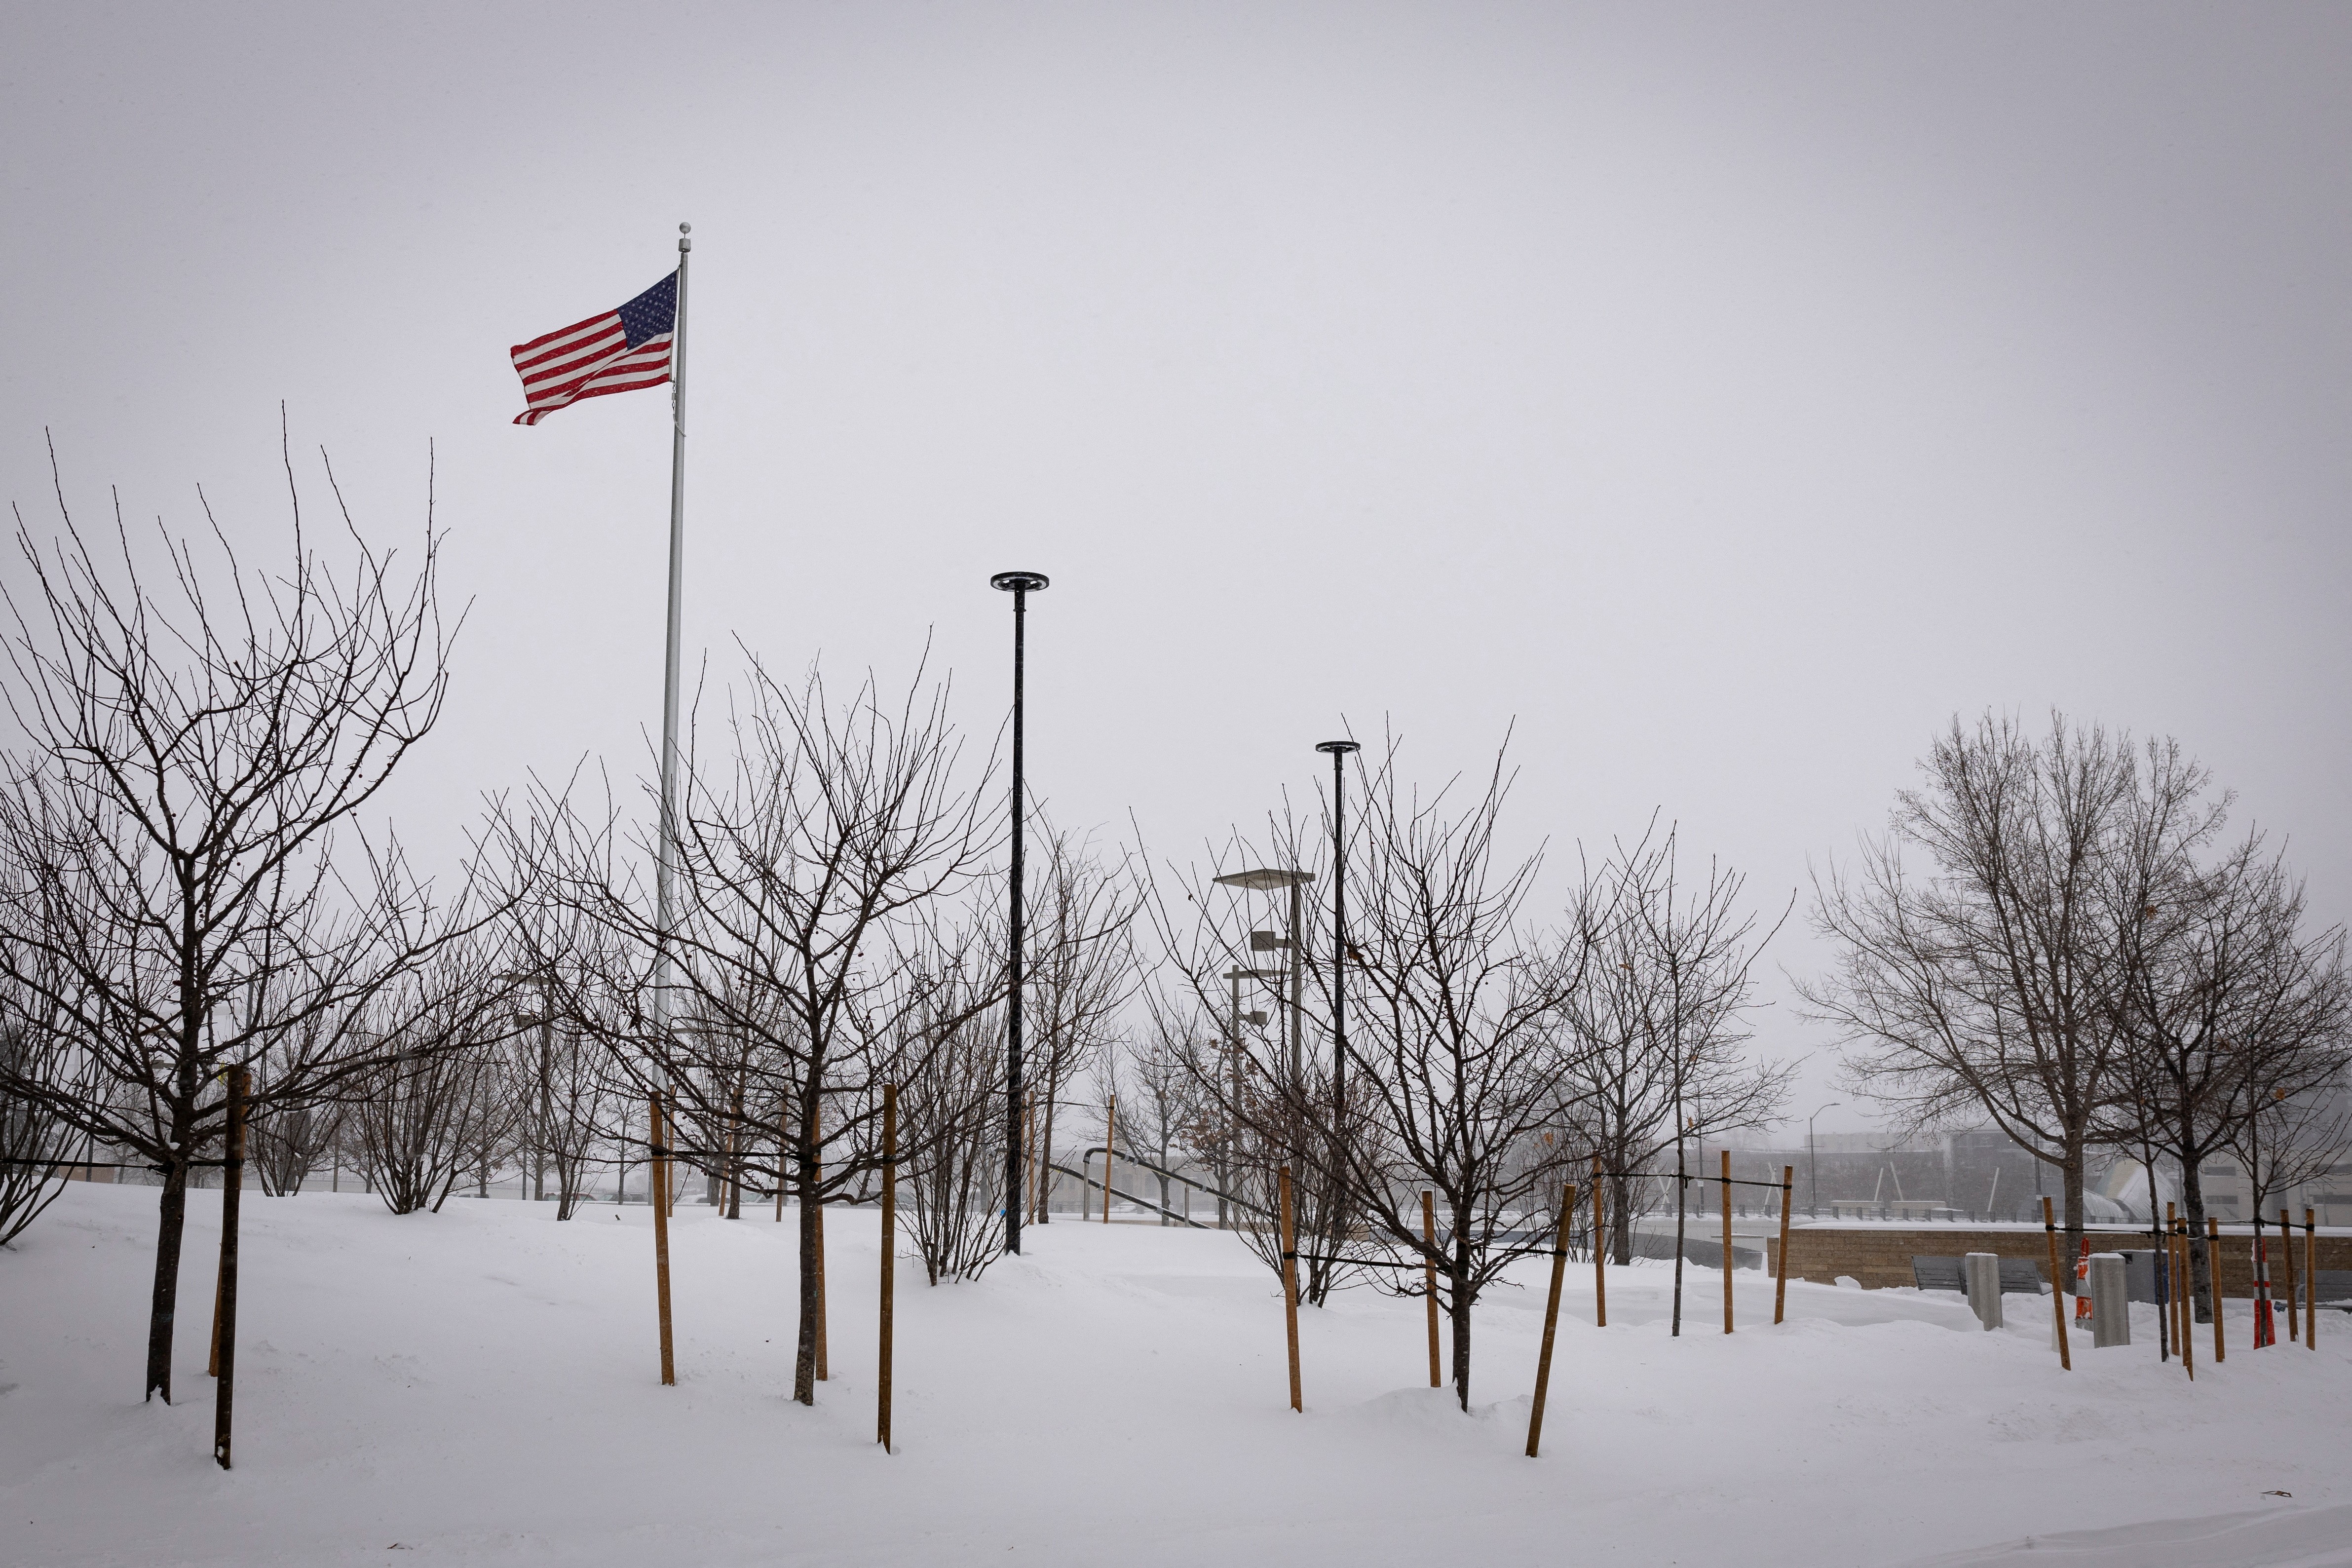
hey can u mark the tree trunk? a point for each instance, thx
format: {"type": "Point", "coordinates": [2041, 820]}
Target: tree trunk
{"type": "Point", "coordinates": [2201, 1262]}
{"type": "Point", "coordinates": [812, 1280]}
{"type": "Point", "coordinates": [1042, 1197]}
{"type": "Point", "coordinates": [2070, 1176]}
{"type": "Point", "coordinates": [1620, 1220]}
{"type": "Point", "coordinates": [1458, 1316]}
{"type": "Point", "coordinates": [172, 1222]}
{"type": "Point", "coordinates": [735, 1157]}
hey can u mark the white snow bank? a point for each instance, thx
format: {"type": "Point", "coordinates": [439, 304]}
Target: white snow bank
{"type": "Point", "coordinates": [479, 1386]}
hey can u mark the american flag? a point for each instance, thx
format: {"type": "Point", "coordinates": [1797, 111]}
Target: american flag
{"type": "Point", "coordinates": [620, 351]}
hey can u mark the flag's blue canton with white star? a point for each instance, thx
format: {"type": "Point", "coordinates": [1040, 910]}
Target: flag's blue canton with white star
{"type": "Point", "coordinates": [651, 314]}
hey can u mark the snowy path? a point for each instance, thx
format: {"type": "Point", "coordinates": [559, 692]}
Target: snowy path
{"type": "Point", "coordinates": [478, 1387]}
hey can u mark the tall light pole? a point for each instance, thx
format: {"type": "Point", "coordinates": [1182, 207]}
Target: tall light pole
{"type": "Point", "coordinates": [1273, 881]}
{"type": "Point", "coordinates": [1020, 584]}
{"type": "Point", "coordinates": [1813, 1165]}
{"type": "Point", "coordinates": [1338, 750]}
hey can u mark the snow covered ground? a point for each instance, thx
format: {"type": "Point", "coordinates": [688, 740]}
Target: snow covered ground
{"type": "Point", "coordinates": [479, 1386]}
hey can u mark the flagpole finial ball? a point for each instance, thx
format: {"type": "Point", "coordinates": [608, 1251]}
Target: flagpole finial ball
{"type": "Point", "coordinates": [685, 228]}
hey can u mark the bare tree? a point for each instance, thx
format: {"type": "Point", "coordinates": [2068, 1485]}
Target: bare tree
{"type": "Point", "coordinates": [804, 882]}
{"type": "Point", "coordinates": [167, 843]}
{"type": "Point", "coordinates": [1081, 971]}
{"type": "Point", "coordinates": [285, 1144]}
{"type": "Point", "coordinates": [2229, 1009]}
{"type": "Point", "coordinates": [574, 1097]}
{"type": "Point", "coordinates": [35, 1143]}
{"type": "Point", "coordinates": [1161, 1108]}
{"type": "Point", "coordinates": [1262, 1074]}
{"type": "Point", "coordinates": [1985, 986]}
{"type": "Point", "coordinates": [1458, 1031]}
{"type": "Point", "coordinates": [1459, 1040]}
{"type": "Point", "coordinates": [2290, 1138]}
{"type": "Point", "coordinates": [949, 1068]}
{"type": "Point", "coordinates": [1659, 1024]}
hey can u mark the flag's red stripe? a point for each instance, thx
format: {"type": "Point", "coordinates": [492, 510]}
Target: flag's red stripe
{"type": "Point", "coordinates": [647, 366]}
{"type": "Point", "coordinates": [652, 352]}
{"type": "Point", "coordinates": [603, 342]}
{"type": "Point", "coordinates": [577, 327]}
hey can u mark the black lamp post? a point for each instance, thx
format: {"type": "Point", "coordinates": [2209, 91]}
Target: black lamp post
{"type": "Point", "coordinates": [1020, 584]}
{"type": "Point", "coordinates": [1337, 751]}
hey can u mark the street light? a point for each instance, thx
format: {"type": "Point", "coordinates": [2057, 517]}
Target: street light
{"type": "Point", "coordinates": [1813, 1165]}
{"type": "Point", "coordinates": [1295, 882]}
{"type": "Point", "coordinates": [1337, 751]}
{"type": "Point", "coordinates": [1020, 584]}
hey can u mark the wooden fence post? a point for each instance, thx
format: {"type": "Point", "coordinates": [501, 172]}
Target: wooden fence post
{"type": "Point", "coordinates": [2184, 1294]}
{"type": "Point", "coordinates": [2286, 1251]}
{"type": "Point", "coordinates": [2213, 1282]}
{"type": "Point", "coordinates": [1429, 1281]}
{"type": "Point", "coordinates": [224, 1319]}
{"type": "Point", "coordinates": [1110, 1139]}
{"type": "Point", "coordinates": [1727, 1241]}
{"type": "Point", "coordinates": [2057, 1287]}
{"type": "Point", "coordinates": [212, 1356]}
{"type": "Point", "coordinates": [2310, 1280]}
{"type": "Point", "coordinates": [1551, 1320]}
{"type": "Point", "coordinates": [1289, 1280]}
{"type": "Point", "coordinates": [1599, 1255]}
{"type": "Point", "coordinates": [659, 1176]}
{"type": "Point", "coordinates": [890, 1257]}
{"type": "Point", "coordinates": [1780, 1286]}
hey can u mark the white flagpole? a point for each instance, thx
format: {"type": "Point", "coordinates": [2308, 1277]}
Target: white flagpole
{"type": "Point", "coordinates": [665, 857]}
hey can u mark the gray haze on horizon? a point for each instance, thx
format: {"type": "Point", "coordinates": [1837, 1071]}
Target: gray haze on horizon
{"type": "Point", "coordinates": [1719, 398]}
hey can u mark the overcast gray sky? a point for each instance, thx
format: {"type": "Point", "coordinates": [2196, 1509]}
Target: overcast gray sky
{"type": "Point", "coordinates": [1727, 395]}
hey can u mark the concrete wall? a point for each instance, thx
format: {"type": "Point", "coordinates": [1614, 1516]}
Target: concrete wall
{"type": "Point", "coordinates": [1879, 1255]}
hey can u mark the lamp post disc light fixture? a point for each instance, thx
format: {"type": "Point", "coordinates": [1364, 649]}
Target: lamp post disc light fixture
{"type": "Point", "coordinates": [1264, 881]}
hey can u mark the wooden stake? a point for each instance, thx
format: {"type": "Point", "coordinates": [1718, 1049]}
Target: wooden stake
{"type": "Point", "coordinates": [2184, 1309]}
{"type": "Point", "coordinates": [1599, 1255]}
{"type": "Point", "coordinates": [211, 1357]}
{"type": "Point", "coordinates": [1727, 1241]}
{"type": "Point", "coordinates": [1110, 1137]}
{"type": "Point", "coordinates": [1429, 1281]}
{"type": "Point", "coordinates": [1289, 1282]}
{"type": "Point", "coordinates": [1780, 1286]}
{"type": "Point", "coordinates": [2174, 1285]}
{"type": "Point", "coordinates": [1551, 1320]}
{"type": "Point", "coordinates": [2286, 1251]}
{"type": "Point", "coordinates": [2213, 1282]}
{"type": "Point", "coordinates": [659, 1176]}
{"type": "Point", "coordinates": [2057, 1288]}
{"type": "Point", "coordinates": [2310, 1281]}
{"type": "Point", "coordinates": [225, 1309]}
{"type": "Point", "coordinates": [890, 1257]}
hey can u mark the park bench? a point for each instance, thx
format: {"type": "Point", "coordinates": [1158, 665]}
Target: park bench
{"type": "Point", "coordinates": [2019, 1275]}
